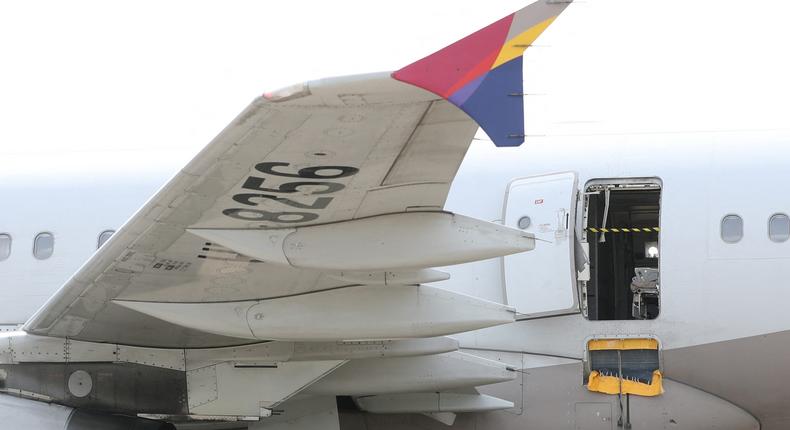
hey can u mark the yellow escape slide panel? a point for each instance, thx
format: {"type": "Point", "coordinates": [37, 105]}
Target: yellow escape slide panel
{"type": "Point", "coordinates": [611, 385]}
{"type": "Point", "coordinates": [621, 344]}
{"type": "Point", "coordinates": [623, 380]}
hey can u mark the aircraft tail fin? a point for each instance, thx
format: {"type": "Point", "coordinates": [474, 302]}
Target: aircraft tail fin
{"type": "Point", "coordinates": [482, 73]}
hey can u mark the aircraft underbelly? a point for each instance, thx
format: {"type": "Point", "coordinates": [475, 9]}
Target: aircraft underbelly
{"type": "Point", "coordinates": [751, 372]}
{"type": "Point", "coordinates": [733, 384]}
{"type": "Point", "coordinates": [554, 397]}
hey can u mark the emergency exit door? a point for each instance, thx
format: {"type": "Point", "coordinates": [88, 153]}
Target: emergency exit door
{"type": "Point", "coordinates": [542, 282]}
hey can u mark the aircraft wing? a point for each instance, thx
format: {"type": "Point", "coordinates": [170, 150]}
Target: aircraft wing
{"type": "Point", "coordinates": [317, 213]}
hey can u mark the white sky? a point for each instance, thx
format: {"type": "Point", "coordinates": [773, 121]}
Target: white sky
{"type": "Point", "coordinates": [146, 76]}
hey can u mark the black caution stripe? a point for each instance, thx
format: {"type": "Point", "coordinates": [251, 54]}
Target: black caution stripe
{"type": "Point", "coordinates": [622, 229]}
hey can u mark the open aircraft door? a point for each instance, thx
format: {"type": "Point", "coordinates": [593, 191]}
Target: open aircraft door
{"type": "Point", "coordinates": [542, 282]}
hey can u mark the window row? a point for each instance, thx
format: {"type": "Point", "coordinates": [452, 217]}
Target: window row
{"type": "Point", "coordinates": [778, 228]}
{"type": "Point", "coordinates": [43, 244]}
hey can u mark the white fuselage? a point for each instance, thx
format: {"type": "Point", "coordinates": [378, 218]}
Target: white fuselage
{"type": "Point", "coordinates": [713, 292]}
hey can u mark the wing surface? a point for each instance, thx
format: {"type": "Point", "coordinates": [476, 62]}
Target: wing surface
{"type": "Point", "coordinates": [314, 154]}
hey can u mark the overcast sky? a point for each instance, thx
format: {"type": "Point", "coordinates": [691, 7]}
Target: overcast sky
{"type": "Point", "coordinates": [143, 76]}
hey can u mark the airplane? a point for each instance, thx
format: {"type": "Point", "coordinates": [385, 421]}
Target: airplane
{"type": "Point", "coordinates": [345, 255]}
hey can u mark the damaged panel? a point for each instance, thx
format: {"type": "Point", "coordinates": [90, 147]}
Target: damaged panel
{"type": "Point", "coordinates": [624, 366]}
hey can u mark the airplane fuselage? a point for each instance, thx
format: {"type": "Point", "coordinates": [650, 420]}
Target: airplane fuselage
{"type": "Point", "coordinates": [721, 322]}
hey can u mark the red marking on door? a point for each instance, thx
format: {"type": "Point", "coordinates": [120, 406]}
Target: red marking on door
{"type": "Point", "coordinates": [539, 201]}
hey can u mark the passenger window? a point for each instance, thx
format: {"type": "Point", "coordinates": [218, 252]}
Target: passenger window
{"type": "Point", "coordinates": [5, 246]}
{"type": "Point", "coordinates": [779, 227]}
{"type": "Point", "coordinates": [43, 246]}
{"type": "Point", "coordinates": [103, 237]}
{"type": "Point", "coordinates": [731, 228]}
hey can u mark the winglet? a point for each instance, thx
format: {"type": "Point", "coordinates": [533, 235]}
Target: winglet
{"type": "Point", "coordinates": [482, 73]}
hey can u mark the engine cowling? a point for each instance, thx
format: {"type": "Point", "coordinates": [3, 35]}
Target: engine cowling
{"type": "Point", "coordinates": [20, 413]}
